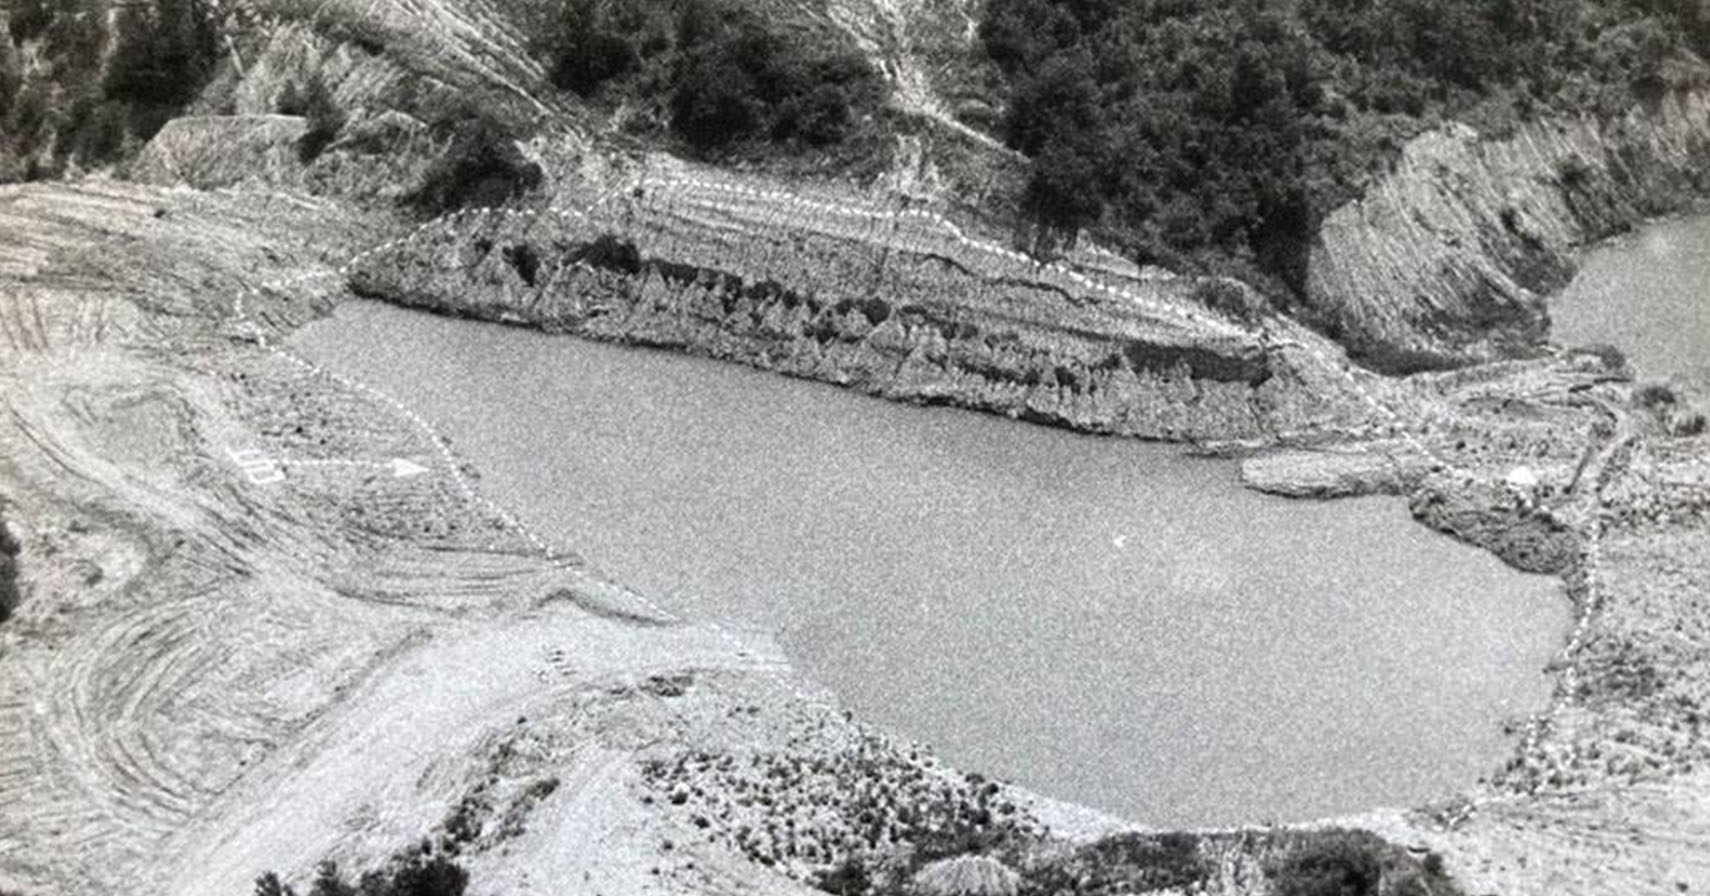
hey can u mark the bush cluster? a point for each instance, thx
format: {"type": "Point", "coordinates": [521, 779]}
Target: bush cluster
{"type": "Point", "coordinates": [72, 106]}
{"type": "Point", "coordinates": [9, 596]}
{"type": "Point", "coordinates": [1116, 865]}
{"type": "Point", "coordinates": [481, 166]}
{"type": "Point", "coordinates": [417, 875]}
{"type": "Point", "coordinates": [1201, 131]}
{"type": "Point", "coordinates": [715, 73]}
{"type": "Point", "coordinates": [1339, 867]}
{"type": "Point", "coordinates": [315, 103]}
{"type": "Point", "coordinates": [1335, 862]}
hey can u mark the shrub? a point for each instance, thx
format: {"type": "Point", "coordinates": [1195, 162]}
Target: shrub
{"type": "Point", "coordinates": [414, 875]}
{"type": "Point", "coordinates": [597, 41]}
{"type": "Point", "coordinates": [29, 19]}
{"type": "Point", "coordinates": [1686, 423]}
{"type": "Point", "coordinates": [1121, 863]}
{"type": "Point", "coordinates": [713, 72]}
{"type": "Point", "coordinates": [481, 166]}
{"type": "Point", "coordinates": [161, 57]}
{"type": "Point", "coordinates": [9, 596]}
{"type": "Point", "coordinates": [1654, 395]}
{"type": "Point", "coordinates": [1330, 866]}
{"type": "Point", "coordinates": [315, 103]}
{"type": "Point", "coordinates": [1613, 359]}
{"type": "Point", "coordinates": [269, 884]}
{"type": "Point", "coordinates": [848, 878]}
{"type": "Point", "coordinates": [740, 80]}
{"type": "Point", "coordinates": [1229, 298]}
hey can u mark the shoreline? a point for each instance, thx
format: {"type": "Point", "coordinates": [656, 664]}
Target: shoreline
{"type": "Point", "coordinates": [1427, 396]}
{"type": "Point", "coordinates": [398, 327]}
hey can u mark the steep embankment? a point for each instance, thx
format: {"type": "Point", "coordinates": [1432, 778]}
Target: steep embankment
{"type": "Point", "coordinates": [1447, 259]}
{"type": "Point", "coordinates": [897, 303]}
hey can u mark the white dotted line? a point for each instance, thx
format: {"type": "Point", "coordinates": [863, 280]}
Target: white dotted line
{"type": "Point", "coordinates": [956, 233]}
{"type": "Point", "coordinates": [240, 313]}
{"type": "Point", "coordinates": [470, 493]}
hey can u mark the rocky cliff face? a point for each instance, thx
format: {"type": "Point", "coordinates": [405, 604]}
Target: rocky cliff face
{"type": "Point", "coordinates": [1447, 259]}
{"type": "Point", "coordinates": [896, 303]}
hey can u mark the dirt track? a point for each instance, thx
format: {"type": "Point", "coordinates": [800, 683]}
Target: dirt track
{"type": "Point", "coordinates": [217, 553]}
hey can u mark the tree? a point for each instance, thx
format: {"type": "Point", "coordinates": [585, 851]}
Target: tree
{"type": "Point", "coordinates": [161, 57]}
{"type": "Point", "coordinates": [1335, 866]}
{"type": "Point", "coordinates": [481, 166]}
{"type": "Point", "coordinates": [713, 72]}
{"type": "Point", "coordinates": [414, 874]}
{"type": "Point", "coordinates": [269, 884]}
{"type": "Point", "coordinates": [315, 103]}
{"type": "Point", "coordinates": [328, 882]}
{"type": "Point", "coordinates": [9, 547]}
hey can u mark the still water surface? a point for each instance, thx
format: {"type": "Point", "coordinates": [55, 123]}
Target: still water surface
{"type": "Point", "coordinates": [1647, 294]}
{"type": "Point", "coordinates": [1102, 620]}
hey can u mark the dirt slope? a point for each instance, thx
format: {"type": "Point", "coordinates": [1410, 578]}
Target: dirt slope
{"type": "Point", "coordinates": [249, 641]}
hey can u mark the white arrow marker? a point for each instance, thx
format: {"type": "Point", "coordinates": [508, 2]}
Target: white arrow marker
{"type": "Point", "coordinates": [402, 468]}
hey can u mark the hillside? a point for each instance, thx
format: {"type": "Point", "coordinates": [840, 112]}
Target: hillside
{"type": "Point", "coordinates": [247, 639]}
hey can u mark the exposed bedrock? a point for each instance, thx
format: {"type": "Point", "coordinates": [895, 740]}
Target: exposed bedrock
{"type": "Point", "coordinates": [1333, 471]}
{"type": "Point", "coordinates": [1446, 260]}
{"type": "Point", "coordinates": [892, 306]}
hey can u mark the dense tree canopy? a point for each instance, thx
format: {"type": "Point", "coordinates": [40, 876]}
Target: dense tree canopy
{"type": "Point", "coordinates": [714, 72]}
{"type": "Point", "coordinates": [1224, 129]}
{"type": "Point", "coordinates": [104, 76]}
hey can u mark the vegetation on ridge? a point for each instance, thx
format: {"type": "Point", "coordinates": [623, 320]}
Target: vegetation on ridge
{"type": "Point", "coordinates": [415, 875]}
{"type": "Point", "coordinates": [83, 80]}
{"type": "Point", "coordinates": [1209, 132]}
{"type": "Point", "coordinates": [714, 74]}
{"type": "Point", "coordinates": [1331, 862]}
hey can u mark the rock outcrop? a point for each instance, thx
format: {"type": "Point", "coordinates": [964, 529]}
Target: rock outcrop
{"type": "Point", "coordinates": [1446, 260]}
{"type": "Point", "coordinates": [209, 152]}
{"type": "Point", "coordinates": [895, 303]}
{"type": "Point", "coordinates": [1331, 472]}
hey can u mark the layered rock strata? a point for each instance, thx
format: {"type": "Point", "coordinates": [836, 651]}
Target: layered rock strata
{"type": "Point", "coordinates": [893, 302]}
{"type": "Point", "coordinates": [1447, 259]}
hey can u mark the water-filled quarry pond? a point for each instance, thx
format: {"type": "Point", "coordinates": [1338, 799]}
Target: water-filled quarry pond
{"type": "Point", "coordinates": [1102, 620]}
{"type": "Point", "coordinates": [1648, 294]}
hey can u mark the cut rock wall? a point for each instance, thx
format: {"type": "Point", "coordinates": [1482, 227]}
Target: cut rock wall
{"type": "Point", "coordinates": [1447, 259]}
{"type": "Point", "coordinates": [896, 303]}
